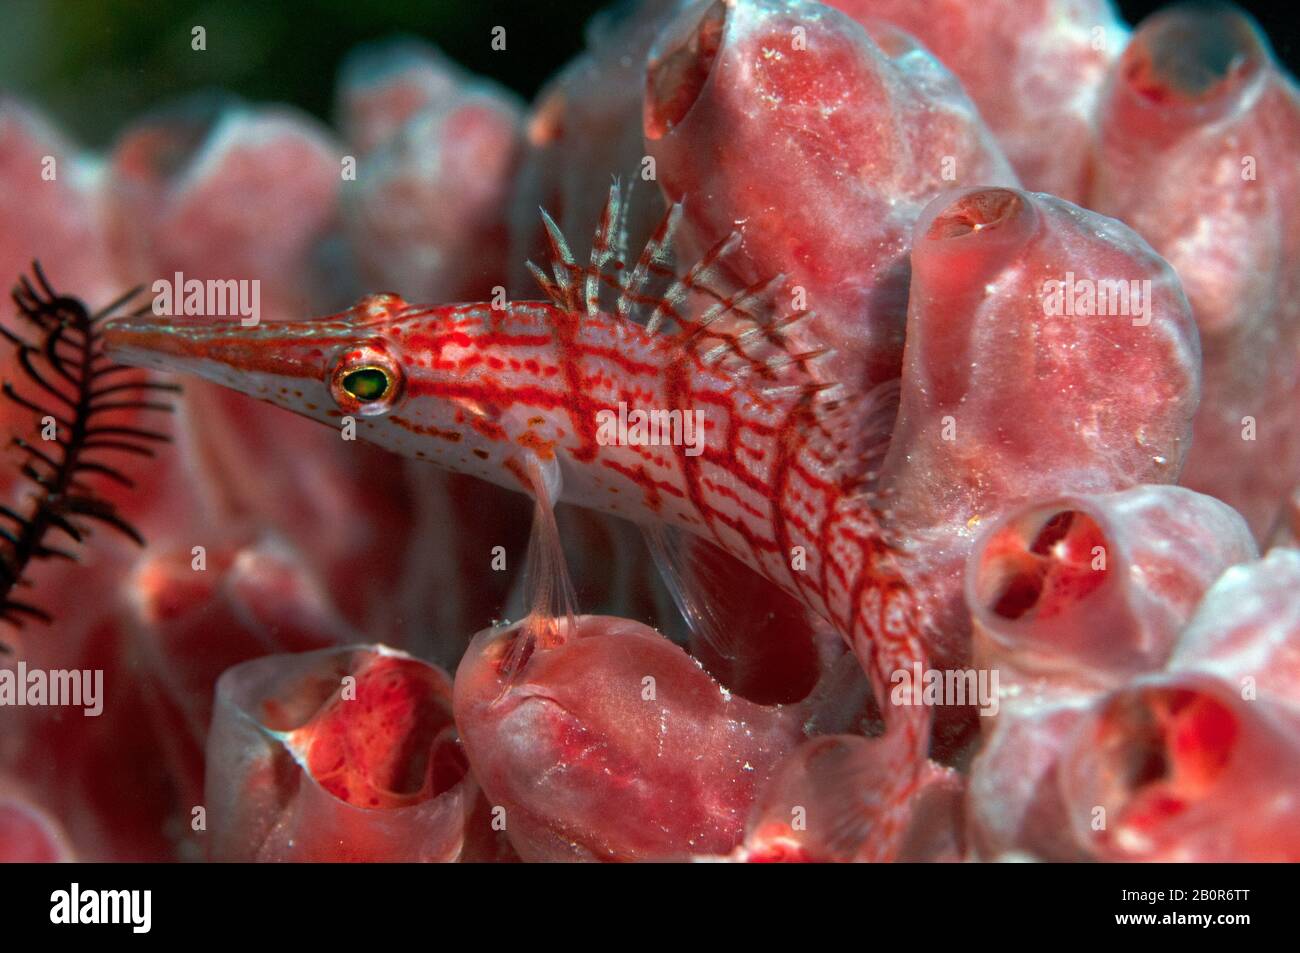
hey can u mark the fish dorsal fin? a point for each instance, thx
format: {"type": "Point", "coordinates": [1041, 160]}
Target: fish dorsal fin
{"type": "Point", "coordinates": [562, 284]}
{"type": "Point", "coordinates": [608, 267]}
{"type": "Point", "coordinates": [653, 269]}
{"type": "Point", "coordinates": [578, 289]}
{"type": "Point", "coordinates": [708, 317]}
{"type": "Point", "coordinates": [704, 309]}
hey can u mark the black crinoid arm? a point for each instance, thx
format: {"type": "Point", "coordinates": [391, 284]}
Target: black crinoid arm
{"type": "Point", "coordinates": [85, 407]}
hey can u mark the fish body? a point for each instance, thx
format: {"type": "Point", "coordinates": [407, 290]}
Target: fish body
{"type": "Point", "coordinates": [683, 405]}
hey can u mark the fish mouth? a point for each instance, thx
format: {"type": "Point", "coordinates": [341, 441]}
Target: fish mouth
{"type": "Point", "coordinates": [244, 358]}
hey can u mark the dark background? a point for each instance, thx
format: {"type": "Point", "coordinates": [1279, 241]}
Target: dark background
{"type": "Point", "coordinates": [96, 64]}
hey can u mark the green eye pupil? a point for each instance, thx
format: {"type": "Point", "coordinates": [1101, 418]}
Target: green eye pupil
{"type": "Point", "coordinates": [366, 384]}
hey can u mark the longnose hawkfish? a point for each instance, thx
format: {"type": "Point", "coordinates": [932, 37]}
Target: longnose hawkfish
{"type": "Point", "coordinates": [533, 395]}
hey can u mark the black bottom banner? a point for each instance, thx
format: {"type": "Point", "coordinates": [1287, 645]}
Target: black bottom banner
{"type": "Point", "coordinates": [928, 903]}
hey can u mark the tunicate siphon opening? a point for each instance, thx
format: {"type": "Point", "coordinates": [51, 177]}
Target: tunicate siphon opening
{"type": "Point", "coordinates": [1040, 563]}
{"type": "Point", "coordinates": [1150, 755]}
{"type": "Point", "coordinates": [675, 78]}
{"type": "Point", "coordinates": [975, 211]}
{"type": "Point", "coordinates": [1192, 53]}
{"type": "Point", "coordinates": [382, 747]}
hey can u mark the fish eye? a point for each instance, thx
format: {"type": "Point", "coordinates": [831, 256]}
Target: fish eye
{"type": "Point", "coordinates": [366, 383]}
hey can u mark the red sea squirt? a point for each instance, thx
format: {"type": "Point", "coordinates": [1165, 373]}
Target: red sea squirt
{"type": "Point", "coordinates": [1035, 69]}
{"type": "Point", "coordinates": [1005, 400]}
{"type": "Point", "coordinates": [28, 833]}
{"type": "Point", "coordinates": [1073, 598]}
{"type": "Point", "coordinates": [191, 621]}
{"type": "Point", "coordinates": [437, 152]}
{"type": "Point", "coordinates": [1217, 733]}
{"type": "Point", "coordinates": [822, 144]}
{"type": "Point", "coordinates": [610, 743]}
{"type": "Point", "coordinates": [52, 207]}
{"type": "Point", "coordinates": [1199, 128]}
{"type": "Point", "coordinates": [1099, 584]}
{"type": "Point", "coordinates": [336, 755]}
